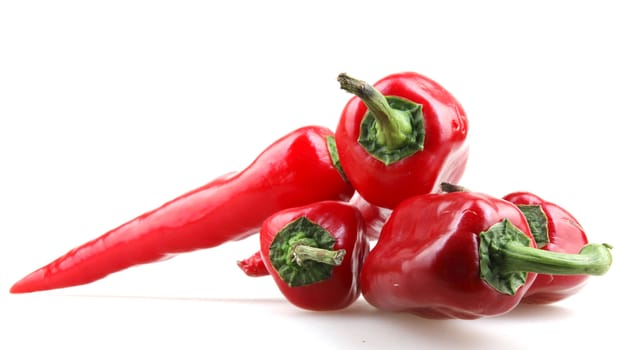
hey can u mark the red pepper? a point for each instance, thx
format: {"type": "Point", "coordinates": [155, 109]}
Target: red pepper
{"type": "Point", "coordinates": [373, 216]}
{"type": "Point", "coordinates": [401, 137]}
{"type": "Point", "coordinates": [253, 265]}
{"type": "Point", "coordinates": [462, 255]}
{"type": "Point", "coordinates": [556, 230]}
{"type": "Point", "coordinates": [297, 169]}
{"type": "Point", "coordinates": [314, 254]}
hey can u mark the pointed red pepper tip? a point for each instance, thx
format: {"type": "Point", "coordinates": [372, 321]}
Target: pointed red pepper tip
{"type": "Point", "coordinates": [27, 284]}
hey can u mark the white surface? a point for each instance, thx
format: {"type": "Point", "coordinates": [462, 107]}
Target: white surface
{"type": "Point", "coordinates": [108, 110]}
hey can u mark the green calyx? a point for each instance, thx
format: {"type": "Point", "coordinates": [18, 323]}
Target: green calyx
{"type": "Point", "coordinates": [506, 257]}
{"type": "Point", "coordinates": [537, 221]}
{"type": "Point", "coordinates": [303, 253]}
{"type": "Point", "coordinates": [334, 156]}
{"type": "Point", "coordinates": [392, 146]}
{"type": "Point", "coordinates": [393, 128]}
{"type": "Point", "coordinates": [492, 267]}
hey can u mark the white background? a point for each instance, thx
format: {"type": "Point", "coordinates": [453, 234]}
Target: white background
{"type": "Point", "coordinates": [109, 109]}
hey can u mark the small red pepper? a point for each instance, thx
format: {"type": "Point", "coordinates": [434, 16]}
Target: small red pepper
{"type": "Point", "coordinates": [462, 255]}
{"type": "Point", "coordinates": [555, 230]}
{"type": "Point", "coordinates": [401, 137]}
{"type": "Point", "coordinates": [314, 254]}
{"type": "Point", "coordinates": [373, 216]}
{"type": "Point", "coordinates": [297, 169]}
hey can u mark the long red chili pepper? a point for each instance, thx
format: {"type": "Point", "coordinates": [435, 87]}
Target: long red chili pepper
{"type": "Point", "coordinates": [555, 230]}
{"type": "Point", "coordinates": [299, 168]}
{"type": "Point", "coordinates": [314, 254]}
{"type": "Point", "coordinates": [401, 137]}
{"type": "Point", "coordinates": [462, 255]}
{"type": "Point", "coordinates": [373, 217]}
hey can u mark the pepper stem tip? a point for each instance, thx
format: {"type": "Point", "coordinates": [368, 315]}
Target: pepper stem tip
{"type": "Point", "coordinates": [302, 253]}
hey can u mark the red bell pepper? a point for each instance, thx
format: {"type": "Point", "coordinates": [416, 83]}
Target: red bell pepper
{"type": "Point", "coordinates": [314, 254]}
{"type": "Point", "coordinates": [373, 216]}
{"type": "Point", "coordinates": [555, 230]}
{"type": "Point", "coordinates": [462, 255]}
{"type": "Point", "coordinates": [297, 169]}
{"type": "Point", "coordinates": [401, 137]}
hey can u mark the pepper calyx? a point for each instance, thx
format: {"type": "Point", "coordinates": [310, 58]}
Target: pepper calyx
{"type": "Point", "coordinates": [303, 253]}
{"type": "Point", "coordinates": [334, 156]}
{"type": "Point", "coordinates": [373, 138]}
{"type": "Point", "coordinates": [393, 128]}
{"type": "Point", "coordinates": [537, 221]}
{"type": "Point", "coordinates": [491, 259]}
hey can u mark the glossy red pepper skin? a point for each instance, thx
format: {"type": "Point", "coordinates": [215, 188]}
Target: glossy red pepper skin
{"type": "Point", "coordinates": [296, 169]}
{"type": "Point", "coordinates": [443, 158]}
{"type": "Point", "coordinates": [345, 225]}
{"type": "Point", "coordinates": [426, 260]}
{"type": "Point", "coordinates": [565, 235]}
{"type": "Point", "coordinates": [373, 215]}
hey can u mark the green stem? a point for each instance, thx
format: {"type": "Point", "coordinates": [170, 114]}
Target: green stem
{"type": "Point", "coordinates": [393, 125]}
{"type": "Point", "coordinates": [506, 257]}
{"type": "Point", "coordinates": [302, 253]}
{"type": "Point", "coordinates": [593, 259]}
{"type": "Point", "coordinates": [449, 187]}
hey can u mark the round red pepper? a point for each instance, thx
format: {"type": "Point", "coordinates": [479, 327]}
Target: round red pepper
{"type": "Point", "coordinates": [373, 216]}
{"type": "Point", "coordinates": [401, 137]}
{"type": "Point", "coordinates": [556, 230]}
{"type": "Point", "coordinates": [314, 254]}
{"type": "Point", "coordinates": [299, 168]}
{"type": "Point", "coordinates": [462, 255]}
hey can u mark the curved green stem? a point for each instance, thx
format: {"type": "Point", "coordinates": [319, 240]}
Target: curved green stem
{"type": "Point", "coordinates": [393, 125]}
{"type": "Point", "coordinates": [506, 257]}
{"type": "Point", "coordinates": [593, 259]}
